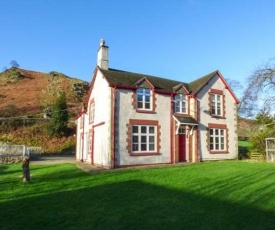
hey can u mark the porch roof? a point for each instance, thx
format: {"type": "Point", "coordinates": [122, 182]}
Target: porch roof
{"type": "Point", "coordinates": [187, 120]}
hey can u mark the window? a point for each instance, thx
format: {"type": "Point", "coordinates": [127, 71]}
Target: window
{"type": "Point", "coordinates": [82, 120]}
{"type": "Point", "coordinates": [180, 103]}
{"type": "Point", "coordinates": [182, 130]}
{"type": "Point", "coordinates": [92, 112]}
{"type": "Point", "coordinates": [90, 145]}
{"type": "Point", "coordinates": [216, 104]}
{"type": "Point", "coordinates": [143, 138]}
{"type": "Point", "coordinates": [217, 139]}
{"type": "Point", "coordinates": [144, 99]}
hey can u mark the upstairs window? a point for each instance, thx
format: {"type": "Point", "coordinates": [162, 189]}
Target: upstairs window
{"type": "Point", "coordinates": [144, 99]}
{"type": "Point", "coordinates": [92, 112]}
{"type": "Point", "coordinates": [216, 104]}
{"type": "Point", "coordinates": [180, 103]}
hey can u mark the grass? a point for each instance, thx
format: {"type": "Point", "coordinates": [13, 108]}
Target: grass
{"type": "Point", "coordinates": [211, 195]}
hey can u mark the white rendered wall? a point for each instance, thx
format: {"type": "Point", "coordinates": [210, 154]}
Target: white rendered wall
{"type": "Point", "coordinates": [205, 118]}
{"type": "Point", "coordinates": [125, 112]}
{"type": "Point", "coordinates": [101, 95]}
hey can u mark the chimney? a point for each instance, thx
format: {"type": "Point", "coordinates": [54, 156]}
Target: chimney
{"type": "Point", "coordinates": [102, 55]}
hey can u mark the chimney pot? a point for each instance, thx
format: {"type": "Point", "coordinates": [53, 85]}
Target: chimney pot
{"type": "Point", "coordinates": [102, 55]}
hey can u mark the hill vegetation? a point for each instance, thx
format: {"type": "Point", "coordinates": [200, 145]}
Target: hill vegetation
{"type": "Point", "coordinates": [25, 99]}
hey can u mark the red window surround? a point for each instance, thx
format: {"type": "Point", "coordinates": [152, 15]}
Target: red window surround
{"type": "Point", "coordinates": [129, 136]}
{"type": "Point", "coordinates": [153, 101]}
{"type": "Point", "coordinates": [217, 126]}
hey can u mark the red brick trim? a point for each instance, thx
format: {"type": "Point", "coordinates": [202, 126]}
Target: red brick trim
{"type": "Point", "coordinates": [99, 124]}
{"type": "Point", "coordinates": [216, 91]}
{"type": "Point", "coordinates": [217, 126]}
{"type": "Point", "coordinates": [129, 136]}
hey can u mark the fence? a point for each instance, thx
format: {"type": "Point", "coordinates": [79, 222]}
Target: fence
{"type": "Point", "coordinates": [12, 150]}
{"type": "Point", "coordinates": [15, 153]}
{"type": "Point", "coordinates": [270, 149]}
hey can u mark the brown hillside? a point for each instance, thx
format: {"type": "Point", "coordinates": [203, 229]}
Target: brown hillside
{"type": "Point", "coordinates": [28, 90]}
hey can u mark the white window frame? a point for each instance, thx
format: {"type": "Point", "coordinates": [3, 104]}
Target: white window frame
{"type": "Point", "coordinates": [92, 112]}
{"type": "Point", "coordinates": [217, 139]}
{"type": "Point", "coordinates": [143, 138]}
{"type": "Point", "coordinates": [142, 102]}
{"type": "Point", "coordinates": [216, 104]}
{"type": "Point", "coordinates": [180, 103]}
{"type": "Point", "coordinates": [90, 144]}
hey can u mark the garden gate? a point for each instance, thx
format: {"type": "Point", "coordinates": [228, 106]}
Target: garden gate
{"type": "Point", "coordinates": [270, 149]}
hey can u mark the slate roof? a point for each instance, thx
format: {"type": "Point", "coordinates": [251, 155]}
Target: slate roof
{"type": "Point", "coordinates": [186, 120]}
{"type": "Point", "coordinates": [124, 78]}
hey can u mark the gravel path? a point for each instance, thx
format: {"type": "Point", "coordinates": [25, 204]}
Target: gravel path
{"type": "Point", "coordinates": [53, 160]}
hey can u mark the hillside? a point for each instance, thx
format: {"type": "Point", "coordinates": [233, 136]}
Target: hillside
{"type": "Point", "coordinates": [24, 95]}
{"type": "Point", "coordinates": [28, 90]}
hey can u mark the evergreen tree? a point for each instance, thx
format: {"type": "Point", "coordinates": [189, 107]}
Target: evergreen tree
{"type": "Point", "coordinates": [59, 117]}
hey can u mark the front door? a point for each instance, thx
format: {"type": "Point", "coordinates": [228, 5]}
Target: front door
{"type": "Point", "coordinates": [182, 147]}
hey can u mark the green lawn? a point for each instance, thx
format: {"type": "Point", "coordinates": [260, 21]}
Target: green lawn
{"type": "Point", "coordinates": [210, 195]}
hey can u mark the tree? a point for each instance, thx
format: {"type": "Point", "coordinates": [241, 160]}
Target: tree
{"type": "Point", "coordinates": [14, 63]}
{"type": "Point", "coordinates": [59, 116]}
{"type": "Point", "coordinates": [260, 91]}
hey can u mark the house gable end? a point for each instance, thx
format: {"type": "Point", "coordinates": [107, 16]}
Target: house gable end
{"type": "Point", "coordinates": [197, 85]}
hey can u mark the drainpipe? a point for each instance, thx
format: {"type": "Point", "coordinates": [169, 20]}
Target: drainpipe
{"type": "Point", "coordinates": [171, 131]}
{"type": "Point", "coordinates": [114, 127]}
{"type": "Point", "coordinates": [196, 139]}
{"type": "Point", "coordinates": [83, 114]}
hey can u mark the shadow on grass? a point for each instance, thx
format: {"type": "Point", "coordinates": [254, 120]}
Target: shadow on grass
{"type": "Point", "coordinates": [130, 205]}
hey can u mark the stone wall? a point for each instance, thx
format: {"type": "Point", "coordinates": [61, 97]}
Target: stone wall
{"type": "Point", "coordinates": [10, 159]}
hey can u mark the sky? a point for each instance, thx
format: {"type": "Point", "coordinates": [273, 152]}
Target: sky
{"type": "Point", "coordinates": [176, 39]}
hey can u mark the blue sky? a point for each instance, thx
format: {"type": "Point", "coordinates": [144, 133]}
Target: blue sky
{"type": "Point", "coordinates": [177, 39]}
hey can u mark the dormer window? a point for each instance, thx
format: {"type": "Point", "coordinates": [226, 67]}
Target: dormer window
{"type": "Point", "coordinates": [144, 99]}
{"type": "Point", "coordinates": [180, 103]}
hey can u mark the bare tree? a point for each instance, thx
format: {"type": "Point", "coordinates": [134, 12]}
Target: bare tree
{"type": "Point", "coordinates": [260, 91]}
{"type": "Point", "coordinates": [14, 63]}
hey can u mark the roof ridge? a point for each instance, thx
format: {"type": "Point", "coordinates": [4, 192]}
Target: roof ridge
{"type": "Point", "coordinates": [144, 75]}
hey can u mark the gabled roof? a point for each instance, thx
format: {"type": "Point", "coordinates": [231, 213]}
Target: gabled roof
{"type": "Point", "coordinates": [197, 85]}
{"type": "Point", "coordinates": [121, 78]}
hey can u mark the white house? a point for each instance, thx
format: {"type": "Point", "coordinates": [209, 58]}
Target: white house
{"type": "Point", "coordinates": [135, 119]}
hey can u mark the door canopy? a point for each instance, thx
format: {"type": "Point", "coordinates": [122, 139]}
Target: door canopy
{"type": "Point", "coordinates": [186, 121]}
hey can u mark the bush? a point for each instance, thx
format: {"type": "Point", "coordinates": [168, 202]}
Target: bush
{"type": "Point", "coordinates": [258, 140]}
